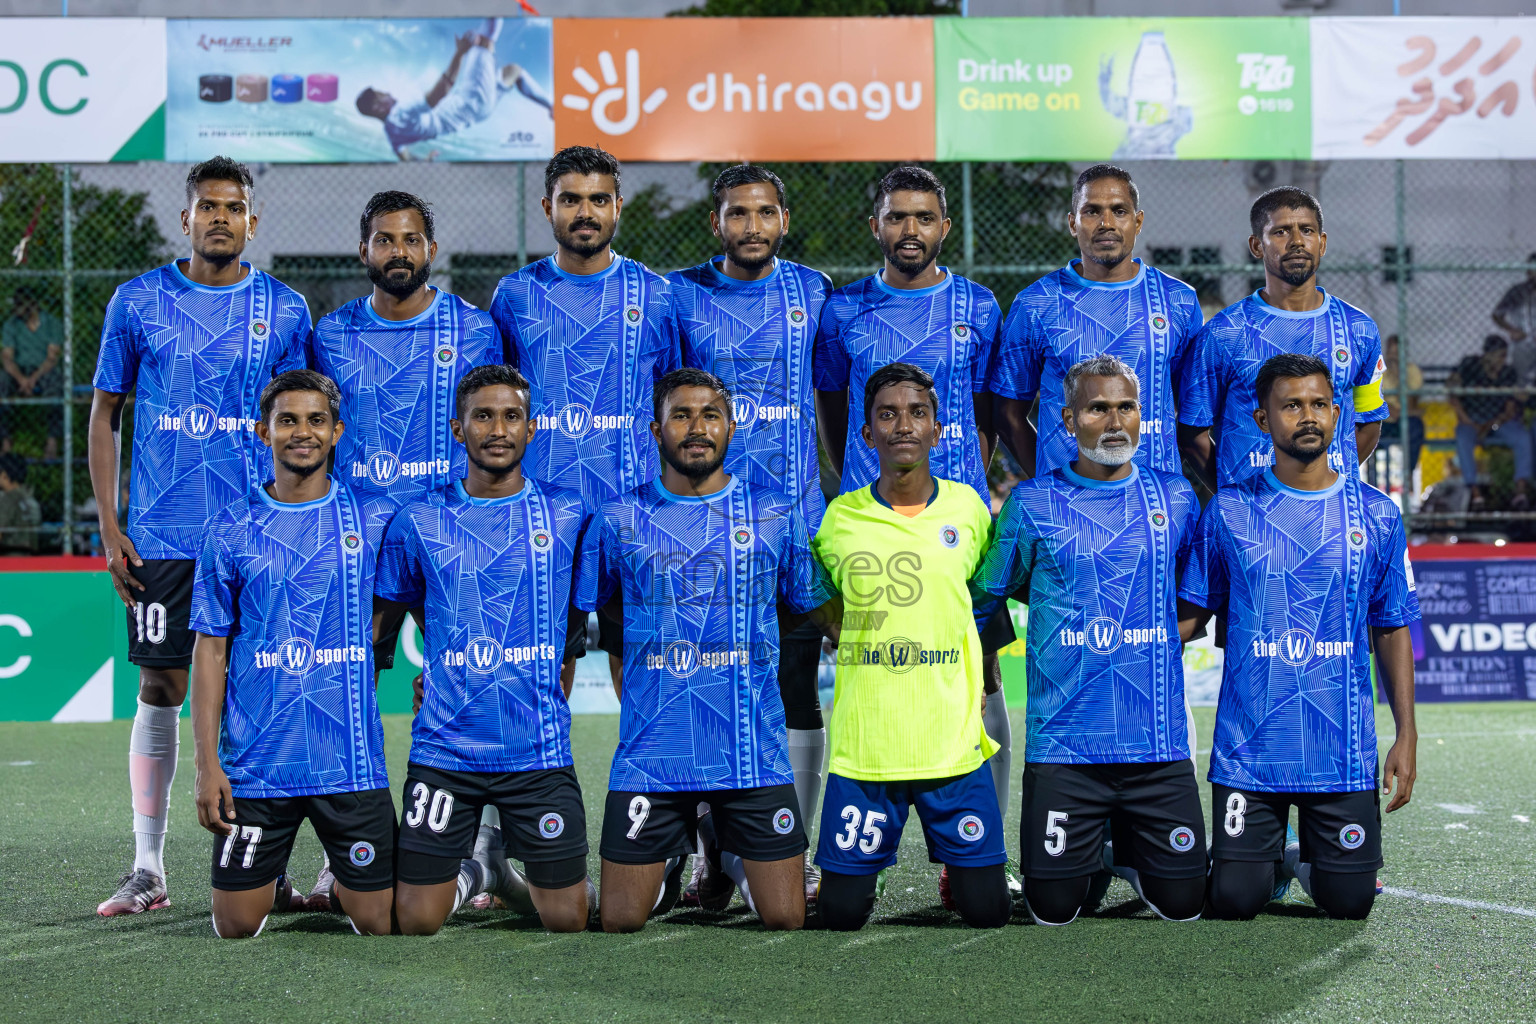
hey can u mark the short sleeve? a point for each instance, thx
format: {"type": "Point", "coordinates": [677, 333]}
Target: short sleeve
{"type": "Point", "coordinates": [1020, 357]}
{"type": "Point", "coordinates": [1187, 321]}
{"type": "Point", "coordinates": [117, 365]}
{"type": "Point", "coordinates": [1394, 600]}
{"type": "Point", "coordinates": [297, 340]}
{"type": "Point", "coordinates": [1370, 406]}
{"type": "Point", "coordinates": [215, 586]}
{"type": "Point", "coordinates": [610, 578]}
{"type": "Point", "coordinates": [1009, 559]}
{"type": "Point", "coordinates": [505, 318]}
{"type": "Point", "coordinates": [829, 362]}
{"type": "Point", "coordinates": [668, 332]}
{"type": "Point", "coordinates": [1200, 378]}
{"type": "Point", "coordinates": [587, 566]}
{"type": "Point", "coordinates": [400, 577]}
{"type": "Point", "coordinates": [984, 352]}
{"type": "Point", "coordinates": [803, 584]}
{"type": "Point", "coordinates": [1184, 511]}
{"type": "Point", "coordinates": [1205, 581]}
{"type": "Point", "coordinates": [483, 341]}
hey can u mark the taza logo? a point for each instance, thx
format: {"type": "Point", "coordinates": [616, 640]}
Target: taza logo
{"type": "Point", "coordinates": [482, 655]}
{"type": "Point", "coordinates": [599, 99]}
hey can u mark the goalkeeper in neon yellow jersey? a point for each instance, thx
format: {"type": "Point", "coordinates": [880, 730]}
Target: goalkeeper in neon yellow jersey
{"type": "Point", "coordinates": [906, 726]}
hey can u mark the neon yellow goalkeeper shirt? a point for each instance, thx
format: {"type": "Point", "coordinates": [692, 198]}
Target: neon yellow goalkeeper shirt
{"type": "Point", "coordinates": [908, 699]}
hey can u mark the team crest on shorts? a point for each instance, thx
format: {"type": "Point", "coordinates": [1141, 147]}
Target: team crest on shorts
{"type": "Point", "coordinates": [1356, 538]}
{"type": "Point", "coordinates": [971, 829]}
{"type": "Point", "coordinates": [445, 354]}
{"type": "Point", "coordinates": [540, 540]}
{"type": "Point", "coordinates": [351, 541]}
{"type": "Point", "coordinates": [1158, 518]}
{"type": "Point", "coordinates": [962, 332]}
{"type": "Point", "coordinates": [1159, 323]}
{"type": "Point", "coordinates": [741, 537]}
{"type": "Point", "coordinates": [949, 535]}
{"type": "Point", "coordinates": [784, 821]}
{"type": "Point", "coordinates": [259, 330]}
{"type": "Point", "coordinates": [1351, 837]}
{"type": "Point", "coordinates": [1341, 355]}
{"type": "Point", "coordinates": [632, 314]}
{"type": "Point", "coordinates": [1181, 839]}
{"type": "Point", "coordinates": [796, 315]}
{"type": "Point", "coordinates": [361, 853]}
{"type": "Point", "coordinates": [551, 825]}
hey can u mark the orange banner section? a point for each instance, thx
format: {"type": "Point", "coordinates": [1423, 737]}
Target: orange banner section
{"type": "Point", "coordinates": [746, 88]}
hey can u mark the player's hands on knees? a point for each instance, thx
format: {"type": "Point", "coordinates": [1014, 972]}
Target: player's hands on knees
{"type": "Point", "coordinates": [1400, 765]}
{"type": "Point", "coordinates": [120, 555]}
{"type": "Point", "coordinates": [214, 795]}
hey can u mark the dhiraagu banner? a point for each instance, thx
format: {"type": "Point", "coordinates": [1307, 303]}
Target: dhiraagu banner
{"type": "Point", "coordinates": [1122, 88]}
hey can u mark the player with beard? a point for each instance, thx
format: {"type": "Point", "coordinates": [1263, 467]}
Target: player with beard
{"type": "Point", "coordinates": [915, 311]}
{"type": "Point", "coordinates": [704, 559]}
{"type": "Point", "coordinates": [750, 318]}
{"type": "Point", "coordinates": [1097, 545]}
{"type": "Point", "coordinates": [1311, 569]}
{"type": "Point", "coordinates": [1105, 303]}
{"type": "Point", "coordinates": [1291, 313]}
{"type": "Point", "coordinates": [193, 343]}
{"type": "Point", "coordinates": [592, 331]}
{"type": "Point", "coordinates": [283, 708]}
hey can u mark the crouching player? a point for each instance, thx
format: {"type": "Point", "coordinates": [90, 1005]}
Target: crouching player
{"type": "Point", "coordinates": [283, 711]}
{"type": "Point", "coordinates": [1098, 543]}
{"type": "Point", "coordinates": [495, 557]}
{"type": "Point", "coordinates": [1311, 568]}
{"type": "Point", "coordinates": [906, 720]}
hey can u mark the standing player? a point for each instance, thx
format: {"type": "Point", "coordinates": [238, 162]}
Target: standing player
{"type": "Point", "coordinates": [1098, 542]}
{"type": "Point", "coordinates": [906, 721]}
{"type": "Point", "coordinates": [703, 560]}
{"type": "Point", "coordinates": [497, 560]}
{"type": "Point", "coordinates": [1311, 569]}
{"type": "Point", "coordinates": [593, 331]}
{"type": "Point", "coordinates": [193, 343]}
{"type": "Point", "coordinates": [1291, 313]}
{"type": "Point", "coordinates": [915, 311]}
{"type": "Point", "coordinates": [750, 318]}
{"type": "Point", "coordinates": [1106, 303]}
{"type": "Point", "coordinates": [283, 709]}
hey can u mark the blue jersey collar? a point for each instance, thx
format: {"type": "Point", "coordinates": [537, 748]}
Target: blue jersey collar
{"type": "Point", "coordinates": [1330, 490]}
{"type": "Point", "coordinates": [1082, 282]}
{"type": "Point", "coordinates": [913, 293]}
{"type": "Point", "coordinates": [465, 496]}
{"type": "Point", "coordinates": [874, 489]}
{"type": "Point", "coordinates": [666, 495]}
{"type": "Point", "coordinates": [426, 314]}
{"type": "Point", "coordinates": [725, 280]}
{"type": "Point", "coordinates": [187, 282]}
{"type": "Point", "coordinates": [1100, 485]}
{"type": "Point", "coordinates": [283, 506]}
{"type": "Point", "coordinates": [1291, 314]}
{"type": "Point", "coordinates": [601, 275]}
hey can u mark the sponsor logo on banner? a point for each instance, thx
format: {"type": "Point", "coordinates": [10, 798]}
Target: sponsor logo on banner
{"type": "Point", "coordinates": [728, 88]}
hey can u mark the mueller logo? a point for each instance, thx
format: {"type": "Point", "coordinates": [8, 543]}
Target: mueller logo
{"type": "Point", "coordinates": [1484, 636]}
{"type": "Point", "coordinates": [601, 98]}
{"type": "Point", "coordinates": [243, 44]}
{"type": "Point", "coordinates": [482, 655]}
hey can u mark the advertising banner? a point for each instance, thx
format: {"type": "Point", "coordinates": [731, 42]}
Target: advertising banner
{"type": "Point", "coordinates": [1122, 88]}
{"type": "Point", "coordinates": [1479, 630]}
{"type": "Point", "coordinates": [82, 89]}
{"type": "Point", "coordinates": [354, 90]}
{"type": "Point", "coordinates": [1459, 88]}
{"type": "Point", "coordinates": [746, 88]}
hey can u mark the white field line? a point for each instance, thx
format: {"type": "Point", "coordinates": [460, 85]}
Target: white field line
{"type": "Point", "coordinates": [1429, 897]}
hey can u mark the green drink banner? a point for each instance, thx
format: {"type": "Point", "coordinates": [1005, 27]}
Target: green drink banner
{"type": "Point", "coordinates": [1122, 88]}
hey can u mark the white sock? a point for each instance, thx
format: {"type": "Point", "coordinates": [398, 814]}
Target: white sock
{"type": "Point", "coordinates": [995, 721]}
{"type": "Point", "coordinates": [737, 872]}
{"type": "Point", "coordinates": [471, 882]}
{"type": "Point", "coordinates": [1291, 866]}
{"type": "Point", "coordinates": [665, 871]}
{"type": "Point", "coordinates": [490, 816]}
{"type": "Point", "coordinates": [807, 750]}
{"type": "Point", "coordinates": [152, 748]}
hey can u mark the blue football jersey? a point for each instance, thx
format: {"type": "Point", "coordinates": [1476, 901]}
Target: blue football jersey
{"type": "Point", "coordinates": [1216, 389]}
{"type": "Point", "coordinates": [1063, 318]}
{"type": "Point", "coordinates": [196, 359]}
{"type": "Point", "coordinates": [1101, 560]}
{"type": "Point", "coordinates": [1302, 575]}
{"type": "Point", "coordinates": [701, 579]}
{"type": "Point", "coordinates": [292, 588]}
{"type": "Point", "coordinates": [593, 348]}
{"type": "Point", "coordinates": [398, 381]}
{"type": "Point", "coordinates": [498, 577]}
{"type": "Point", "coordinates": [757, 337]}
{"type": "Point", "coordinates": [949, 330]}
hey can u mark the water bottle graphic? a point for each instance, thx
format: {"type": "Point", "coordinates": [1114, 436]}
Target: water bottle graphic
{"type": "Point", "coordinates": [1155, 121]}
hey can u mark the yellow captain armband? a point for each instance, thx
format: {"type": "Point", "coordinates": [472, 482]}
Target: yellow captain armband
{"type": "Point", "coordinates": [1368, 396]}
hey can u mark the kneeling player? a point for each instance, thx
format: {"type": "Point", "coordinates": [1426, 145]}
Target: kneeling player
{"type": "Point", "coordinates": [1097, 543]}
{"type": "Point", "coordinates": [494, 557]}
{"type": "Point", "coordinates": [1311, 568]}
{"type": "Point", "coordinates": [906, 721]}
{"type": "Point", "coordinates": [703, 559]}
{"type": "Point", "coordinates": [284, 717]}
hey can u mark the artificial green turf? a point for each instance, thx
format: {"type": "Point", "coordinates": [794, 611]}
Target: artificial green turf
{"type": "Point", "coordinates": [64, 838]}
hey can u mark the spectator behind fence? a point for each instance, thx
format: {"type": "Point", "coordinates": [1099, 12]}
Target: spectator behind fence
{"type": "Point", "coordinates": [1516, 316]}
{"type": "Point", "coordinates": [1393, 424]}
{"type": "Point", "coordinates": [19, 511]}
{"type": "Point", "coordinates": [31, 342]}
{"type": "Point", "coordinates": [1490, 419]}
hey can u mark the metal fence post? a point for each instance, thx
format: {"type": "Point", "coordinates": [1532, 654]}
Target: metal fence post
{"type": "Point", "coordinates": [969, 237]}
{"type": "Point", "coordinates": [522, 216]}
{"type": "Point", "coordinates": [1400, 204]}
{"type": "Point", "coordinates": [68, 533]}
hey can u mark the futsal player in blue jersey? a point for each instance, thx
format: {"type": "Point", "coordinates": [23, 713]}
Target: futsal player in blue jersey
{"type": "Point", "coordinates": [703, 560]}
{"type": "Point", "coordinates": [915, 311]}
{"type": "Point", "coordinates": [1310, 567]}
{"type": "Point", "coordinates": [1106, 303]}
{"type": "Point", "coordinates": [498, 560]}
{"type": "Point", "coordinates": [1098, 544]}
{"type": "Point", "coordinates": [592, 331]}
{"type": "Point", "coordinates": [283, 710]}
{"type": "Point", "coordinates": [192, 343]}
{"type": "Point", "coordinates": [750, 318]}
{"type": "Point", "coordinates": [1291, 313]}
